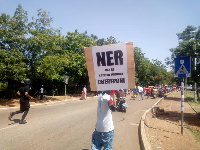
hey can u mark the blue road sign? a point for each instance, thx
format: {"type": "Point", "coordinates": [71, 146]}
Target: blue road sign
{"type": "Point", "coordinates": [182, 67]}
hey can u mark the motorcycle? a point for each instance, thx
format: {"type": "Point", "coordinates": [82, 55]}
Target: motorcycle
{"type": "Point", "coordinates": [134, 93]}
{"type": "Point", "coordinates": [121, 104]}
{"type": "Point", "coordinates": [161, 93]}
{"type": "Point", "coordinates": [154, 94]}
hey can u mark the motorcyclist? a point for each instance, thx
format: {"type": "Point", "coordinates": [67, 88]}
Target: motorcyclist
{"type": "Point", "coordinates": [119, 94]}
{"type": "Point", "coordinates": [155, 91]}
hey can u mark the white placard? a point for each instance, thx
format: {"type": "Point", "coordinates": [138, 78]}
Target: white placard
{"type": "Point", "coordinates": [110, 66]}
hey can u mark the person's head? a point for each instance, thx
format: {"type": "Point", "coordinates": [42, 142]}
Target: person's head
{"type": "Point", "coordinates": [27, 81]}
{"type": "Point", "coordinates": [107, 92]}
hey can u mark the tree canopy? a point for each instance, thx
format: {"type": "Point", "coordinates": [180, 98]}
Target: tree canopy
{"type": "Point", "coordinates": [188, 46]}
{"type": "Point", "coordinates": [34, 49]}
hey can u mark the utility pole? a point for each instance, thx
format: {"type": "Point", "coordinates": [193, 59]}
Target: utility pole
{"type": "Point", "coordinates": [182, 105]}
{"type": "Point", "coordinates": [195, 68]}
{"type": "Point", "coordinates": [66, 82]}
{"type": "Point", "coordinates": [195, 65]}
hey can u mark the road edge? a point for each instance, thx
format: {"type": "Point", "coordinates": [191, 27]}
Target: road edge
{"type": "Point", "coordinates": [43, 103]}
{"type": "Point", "coordinates": [144, 144]}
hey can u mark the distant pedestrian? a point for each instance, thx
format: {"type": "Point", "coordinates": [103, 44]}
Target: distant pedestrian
{"type": "Point", "coordinates": [104, 131]}
{"type": "Point", "coordinates": [144, 89]}
{"type": "Point", "coordinates": [148, 92]}
{"type": "Point", "coordinates": [41, 92]}
{"type": "Point", "coordinates": [24, 101]}
{"type": "Point", "coordinates": [140, 92]}
{"type": "Point", "coordinates": [84, 93]}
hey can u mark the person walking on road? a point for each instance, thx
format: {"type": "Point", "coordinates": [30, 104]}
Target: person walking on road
{"type": "Point", "coordinates": [41, 92]}
{"type": "Point", "coordinates": [24, 101]}
{"type": "Point", "coordinates": [148, 92]}
{"type": "Point", "coordinates": [84, 93]}
{"type": "Point", "coordinates": [104, 131]}
{"type": "Point", "coordinates": [140, 93]}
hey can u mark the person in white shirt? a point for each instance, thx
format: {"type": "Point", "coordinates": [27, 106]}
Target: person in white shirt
{"type": "Point", "coordinates": [140, 92]}
{"type": "Point", "coordinates": [104, 131]}
{"type": "Point", "coordinates": [41, 92]}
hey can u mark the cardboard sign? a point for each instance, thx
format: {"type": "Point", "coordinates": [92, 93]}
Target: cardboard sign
{"type": "Point", "coordinates": [111, 67]}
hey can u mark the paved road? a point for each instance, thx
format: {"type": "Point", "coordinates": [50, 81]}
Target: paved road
{"type": "Point", "coordinates": [69, 126]}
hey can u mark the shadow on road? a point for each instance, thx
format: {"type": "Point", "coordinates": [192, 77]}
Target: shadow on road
{"type": "Point", "coordinates": [16, 121]}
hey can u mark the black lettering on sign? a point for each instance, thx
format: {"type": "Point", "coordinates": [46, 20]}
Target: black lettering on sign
{"type": "Point", "coordinates": [104, 75]}
{"type": "Point", "coordinates": [100, 81]}
{"type": "Point", "coordinates": [110, 81]}
{"type": "Point", "coordinates": [106, 58]}
{"type": "Point", "coordinates": [122, 80]}
{"type": "Point", "coordinates": [109, 58]}
{"type": "Point", "coordinates": [116, 74]}
{"type": "Point", "coordinates": [101, 59]}
{"type": "Point", "coordinates": [118, 55]}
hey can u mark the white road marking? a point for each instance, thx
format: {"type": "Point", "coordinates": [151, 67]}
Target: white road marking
{"type": "Point", "coordinates": [138, 111]}
{"type": "Point", "coordinates": [134, 124]}
{"type": "Point", "coordinates": [9, 127]}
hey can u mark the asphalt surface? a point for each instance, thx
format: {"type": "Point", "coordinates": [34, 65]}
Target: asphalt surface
{"type": "Point", "coordinates": [69, 125]}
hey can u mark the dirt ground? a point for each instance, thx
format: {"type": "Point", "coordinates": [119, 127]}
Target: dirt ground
{"type": "Point", "coordinates": [163, 130]}
{"type": "Point", "coordinates": [5, 103]}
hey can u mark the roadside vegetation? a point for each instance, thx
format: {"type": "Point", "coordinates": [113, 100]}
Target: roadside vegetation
{"type": "Point", "coordinates": [189, 95]}
{"type": "Point", "coordinates": [32, 48]}
{"type": "Point", "coordinates": [190, 98]}
{"type": "Point", "coordinates": [195, 132]}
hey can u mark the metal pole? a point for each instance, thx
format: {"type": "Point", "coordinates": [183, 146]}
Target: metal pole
{"type": "Point", "coordinates": [186, 85]}
{"type": "Point", "coordinates": [195, 68]}
{"type": "Point", "coordinates": [182, 105]}
{"type": "Point", "coordinates": [65, 91]}
{"type": "Point", "coordinates": [195, 64]}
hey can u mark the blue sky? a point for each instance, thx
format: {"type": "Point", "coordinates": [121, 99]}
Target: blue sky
{"type": "Point", "coordinates": [151, 24]}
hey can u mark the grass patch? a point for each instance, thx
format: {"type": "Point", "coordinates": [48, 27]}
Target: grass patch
{"type": "Point", "coordinates": [189, 95]}
{"type": "Point", "coordinates": [194, 131]}
{"type": "Point", "coordinates": [190, 98]}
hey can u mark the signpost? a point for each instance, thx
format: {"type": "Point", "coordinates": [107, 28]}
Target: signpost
{"type": "Point", "coordinates": [66, 82]}
{"type": "Point", "coordinates": [182, 69]}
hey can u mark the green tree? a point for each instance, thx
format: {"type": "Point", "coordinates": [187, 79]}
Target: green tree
{"type": "Point", "coordinates": [158, 70]}
{"type": "Point", "coordinates": [150, 73]}
{"type": "Point", "coordinates": [12, 39]}
{"type": "Point", "coordinates": [187, 41]}
{"type": "Point", "coordinates": [142, 67]}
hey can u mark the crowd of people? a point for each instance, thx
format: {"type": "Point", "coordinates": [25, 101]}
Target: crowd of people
{"type": "Point", "coordinates": [157, 90]}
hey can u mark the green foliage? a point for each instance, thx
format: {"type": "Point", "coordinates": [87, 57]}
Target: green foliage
{"type": "Point", "coordinates": [148, 73]}
{"type": "Point", "coordinates": [33, 49]}
{"type": "Point", "coordinates": [12, 65]}
{"type": "Point", "coordinates": [188, 46]}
